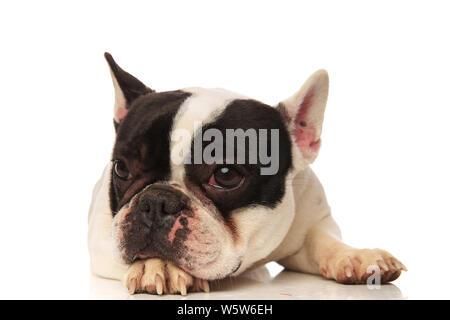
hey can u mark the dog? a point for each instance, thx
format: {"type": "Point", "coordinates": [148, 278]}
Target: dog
{"type": "Point", "coordinates": [164, 222]}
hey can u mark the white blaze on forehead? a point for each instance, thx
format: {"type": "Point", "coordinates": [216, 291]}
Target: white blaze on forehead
{"type": "Point", "coordinates": [204, 105]}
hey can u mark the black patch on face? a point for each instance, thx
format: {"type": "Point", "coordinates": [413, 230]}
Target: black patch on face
{"type": "Point", "coordinates": [143, 144]}
{"type": "Point", "coordinates": [257, 189]}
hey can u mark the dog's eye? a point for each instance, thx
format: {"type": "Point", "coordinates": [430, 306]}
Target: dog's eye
{"type": "Point", "coordinates": [226, 177]}
{"type": "Point", "coordinates": [121, 170]}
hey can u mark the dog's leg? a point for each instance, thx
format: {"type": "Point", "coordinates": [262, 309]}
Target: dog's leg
{"type": "Point", "coordinates": [156, 276]}
{"type": "Point", "coordinates": [324, 253]}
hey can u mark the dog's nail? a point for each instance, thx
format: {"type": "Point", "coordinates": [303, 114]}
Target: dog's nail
{"type": "Point", "coordinates": [401, 266]}
{"type": "Point", "coordinates": [205, 285]}
{"type": "Point", "coordinates": [132, 286]}
{"type": "Point", "coordinates": [348, 272]}
{"type": "Point", "coordinates": [182, 286]}
{"type": "Point", "coordinates": [159, 284]}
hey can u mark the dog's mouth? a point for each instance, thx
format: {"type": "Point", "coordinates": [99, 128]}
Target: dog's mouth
{"type": "Point", "coordinates": [141, 256]}
{"type": "Point", "coordinates": [199, 259]}
{"type": "Point", "coordinates": [184, 244]}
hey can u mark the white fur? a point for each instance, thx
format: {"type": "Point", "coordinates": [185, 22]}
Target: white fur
{"type": "Point", "coordinates": [299, 233]}
{"type": "Point", "coordinates": [101, 246]}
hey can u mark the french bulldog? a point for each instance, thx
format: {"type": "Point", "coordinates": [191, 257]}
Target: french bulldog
{"type": "Point", "coordinates": [165, 222]}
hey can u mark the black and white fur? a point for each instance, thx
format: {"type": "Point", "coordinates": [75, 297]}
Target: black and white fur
{"type": "Point", "coordinates": [284, 217]}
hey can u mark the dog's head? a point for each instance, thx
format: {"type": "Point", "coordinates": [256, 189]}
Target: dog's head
{"type": "Point", "coordinates": [203, 177]}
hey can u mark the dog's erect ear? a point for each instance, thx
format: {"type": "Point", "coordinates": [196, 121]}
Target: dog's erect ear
{"type": "Point", "coordinates": [126, 87]}
{"type": "Point", "coordinates": [304, 113]}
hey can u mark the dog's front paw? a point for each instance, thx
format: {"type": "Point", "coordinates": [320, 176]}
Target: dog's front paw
{"type": "Point", "coordinates": [353, 266]}
{"type": "Point", "coordinates": [156, 276]}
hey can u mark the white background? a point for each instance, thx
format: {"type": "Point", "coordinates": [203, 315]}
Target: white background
{"type": "Point", "coordinates": [385, 155]}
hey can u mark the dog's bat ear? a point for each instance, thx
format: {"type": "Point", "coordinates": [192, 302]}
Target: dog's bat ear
{"type": "Point", "coordinates": [126, 88]}
{"type": "Point", "coordinates": [304, 113]}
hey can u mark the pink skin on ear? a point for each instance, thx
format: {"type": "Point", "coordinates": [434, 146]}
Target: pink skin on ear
{"type": "Point", "coordinates": [304, 131]}
{"type": "Point", "coordinates": [121, 113]}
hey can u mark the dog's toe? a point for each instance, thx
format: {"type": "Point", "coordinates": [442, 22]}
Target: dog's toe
{"type": "Point", "coordinates": [156, 276]}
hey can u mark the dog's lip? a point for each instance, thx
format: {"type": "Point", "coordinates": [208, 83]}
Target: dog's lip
{"type": "Point", "coordinates": [142, 256]}
{"type": "Point", "coordinates": [232, 272]}
{"type": "Point", "coordinates": [236, 268]}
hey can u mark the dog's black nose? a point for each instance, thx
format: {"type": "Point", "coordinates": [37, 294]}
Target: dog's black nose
{"type": "Point", "coordinates": [160, 201]}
